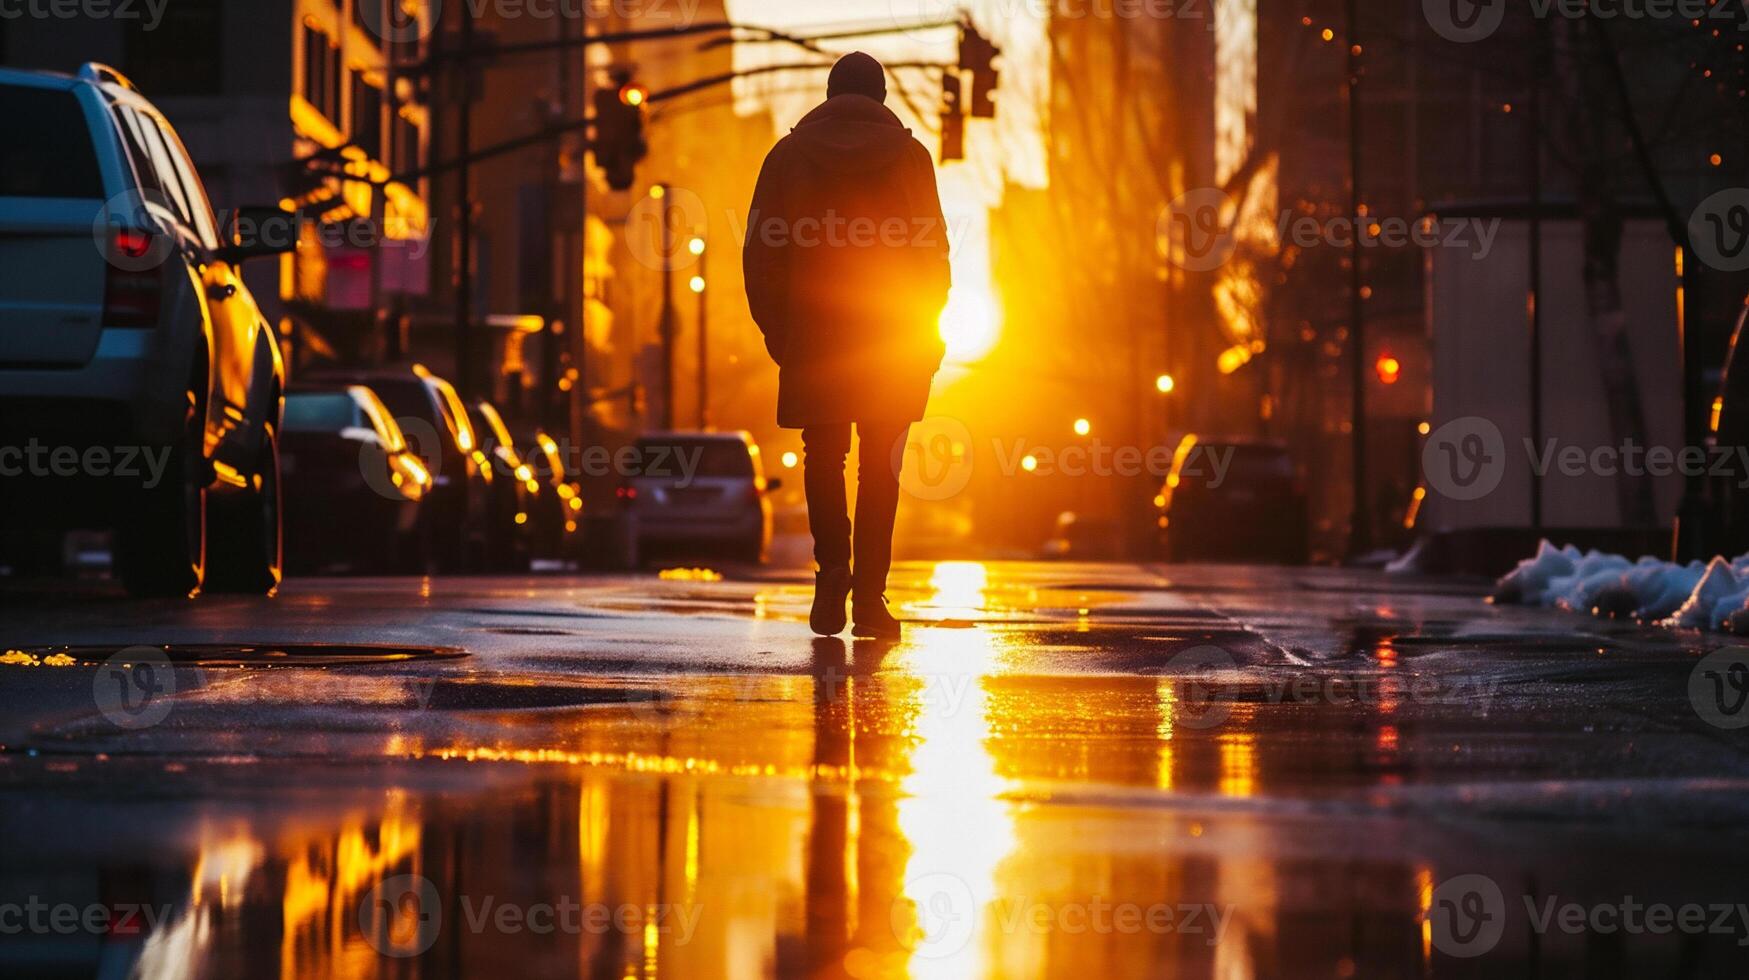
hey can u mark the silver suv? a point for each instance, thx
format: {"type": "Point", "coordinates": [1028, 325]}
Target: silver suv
{"type": "Point", "coordinates": [139, 383]}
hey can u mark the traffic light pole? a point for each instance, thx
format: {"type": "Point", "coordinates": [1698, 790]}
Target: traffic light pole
{"type": "Point", "coordinates": [704, 374]}
{"type": "Point", "coordinates": [1360, 523]}
{"type": "Point", "coordinates": [464, 278]}
{"type": "Point", "coordinates": [554, 132]}
{"type": "Point", "coordinates": [666, 326]}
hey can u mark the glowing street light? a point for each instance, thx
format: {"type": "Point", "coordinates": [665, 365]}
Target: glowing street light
{"type": "Point", "coordinates": [1164, 384]}
{"type": "Point", "coordinates": [1083, 427]}
{"type": "Point", "coordinates": [790, 459]}
{"type": "Point", "coordinates": [697, 284]}
{"type": "Point", "coordinates": [696, 246]}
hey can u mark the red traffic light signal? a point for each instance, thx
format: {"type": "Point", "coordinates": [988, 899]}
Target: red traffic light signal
{"type": "Point", "coordinates": [1388, 368]}
{"type": "Point", "coordinates": [619, 131]}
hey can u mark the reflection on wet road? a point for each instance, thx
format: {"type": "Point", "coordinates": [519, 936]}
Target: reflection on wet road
{"type": "Point", "coordinates": [1061, 771]}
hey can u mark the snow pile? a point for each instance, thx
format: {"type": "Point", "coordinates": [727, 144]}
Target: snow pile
{"type": "Point", "coordinates": [1712, 595]}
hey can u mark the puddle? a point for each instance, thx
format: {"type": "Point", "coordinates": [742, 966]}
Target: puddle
{"type": "Point", "coordinates": [464, 695]}
{"type": "Point", "coordinates": [264, 655]}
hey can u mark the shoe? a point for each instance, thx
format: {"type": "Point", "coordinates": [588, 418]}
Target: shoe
{"type": "Point", "coordinates": [831, 588]}
{"type": "Point", "coordinates": [873, 621]}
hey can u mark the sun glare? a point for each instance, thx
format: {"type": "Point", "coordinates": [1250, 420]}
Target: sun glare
{"type": "Point", "coordinates": [969, 324]}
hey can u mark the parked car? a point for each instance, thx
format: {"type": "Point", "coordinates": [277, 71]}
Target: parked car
{"type": "Point", "coordinates": [1233, 502]}
{"type": "Point", "coordinates": [513, 490]}
{"type": "Point", "coordinates": [1720, 518]}
{"type": "Point", "coordinates": [452, 519]}
{"type": "Point", "coordinates": [144, 352]}
{"type": "Point", "coordinates": [556, 515]}
{"type": "Point", "coordinates": [699, 491]}
{"type": "Point", "coordinates": [352, 484]}
{"type": "Point", "coordinates": [1076, 537]}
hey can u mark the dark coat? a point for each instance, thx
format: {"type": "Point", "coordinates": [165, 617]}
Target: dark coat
{"type": "Point", "coordinates": [846, 267]}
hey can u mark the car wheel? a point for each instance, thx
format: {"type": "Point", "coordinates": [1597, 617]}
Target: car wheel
{"type": "Point", "coordinates": [161, 537]}
{"type": "Point", "coordinates": [245, 545]}
{"type": "Point", "coordinates": [751, 550]}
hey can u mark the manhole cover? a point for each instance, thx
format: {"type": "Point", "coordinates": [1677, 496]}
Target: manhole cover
{"type": "Point", "coordinates": [263, 655]}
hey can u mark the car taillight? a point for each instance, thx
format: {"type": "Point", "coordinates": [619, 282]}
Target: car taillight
{"type": "Point", "coordinates": [626, 493]}
{"type": "Point", "coordinates": [131, 297]}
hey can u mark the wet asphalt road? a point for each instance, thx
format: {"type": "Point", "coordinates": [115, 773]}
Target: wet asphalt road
{"type": "Point", "coordinates": [1063, 770]}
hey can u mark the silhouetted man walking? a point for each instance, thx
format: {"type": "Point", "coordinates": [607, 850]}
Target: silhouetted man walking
{"type": "Point", "coordinates": [847, 273]}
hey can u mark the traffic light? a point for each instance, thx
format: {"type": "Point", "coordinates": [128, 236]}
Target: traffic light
{"type": "Point", "coordinates": [953, 119]}
{"type": "Point", "coordinates": [1388, 368]}
{"type": "Point", "coordinates": [978, 56]}
{"type": "Point", "coordinates": [619, 130]}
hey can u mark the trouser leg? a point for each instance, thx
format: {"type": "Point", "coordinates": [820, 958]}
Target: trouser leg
{"type": "Point", "coordinates": [825, 448]}
{"type": "Point", "coordinates": [877, 503]}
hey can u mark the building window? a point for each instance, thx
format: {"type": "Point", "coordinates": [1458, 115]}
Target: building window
{"type": "Point", "coordinates": [181, 55]}
{"type": "Point", "coordinates": [367, 116]}
{"type": "Point", "coordinates": [406, 148]}
{"type": "Point", "coordinates": [321, 73]}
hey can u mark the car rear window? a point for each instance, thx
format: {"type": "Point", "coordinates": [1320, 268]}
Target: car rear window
{"type": "Point", "coordinates": [47, 151]}
{"type": "Point", "coordinates": [716, 457]}
{"type": "Point", "coordinates": [1261, 463]}
{"type": "Point", "coordinates": [319, 413]}
{"type": "Point", "coordinates": [406, 399]}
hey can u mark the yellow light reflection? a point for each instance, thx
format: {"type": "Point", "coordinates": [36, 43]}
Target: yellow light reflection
{"type": "Point", "coordinates": [952, 811]}
{"type": "Point", "coordinates": [1238, 765]}
{"type": "Point", "coordinates": [959, 587]}
{"type": "Point", "coordinates": [1166, 696]}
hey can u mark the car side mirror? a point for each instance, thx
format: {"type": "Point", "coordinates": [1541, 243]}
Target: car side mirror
{"type": "Point", "coordinates": [259, 232]}
{"type": "Point", "coordinates": [773, 484]}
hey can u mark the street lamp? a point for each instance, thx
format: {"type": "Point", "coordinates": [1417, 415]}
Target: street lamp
{"type": "Point", "coordinates": [698, 284]}
{"type": "Point", "coordinates": [1164, 384]}
{"type": "Point", "coordinates": [1083, 427]}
